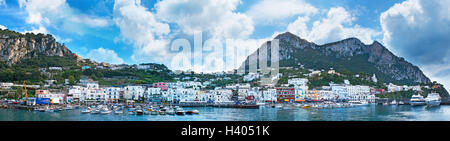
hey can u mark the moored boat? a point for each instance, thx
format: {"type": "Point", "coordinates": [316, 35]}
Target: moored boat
{"type": "Point", "coordinates": [433, 99]}
{"type": "Point", "coordinates": [180, 111]}
{"type": "Point", "coordinates": [417, 100]}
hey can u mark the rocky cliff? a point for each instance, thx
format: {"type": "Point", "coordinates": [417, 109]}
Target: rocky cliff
{"type": "Point", "coordinates": [349, 55]}
{"type": "Point", "coordinates": [15, 46]}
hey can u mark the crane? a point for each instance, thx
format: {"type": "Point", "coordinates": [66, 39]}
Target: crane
{"type": "Point", "coordinates": [26, 93]}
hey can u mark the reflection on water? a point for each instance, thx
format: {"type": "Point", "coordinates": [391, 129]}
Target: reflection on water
{"type": "Point", "coordinates": [364, 113]}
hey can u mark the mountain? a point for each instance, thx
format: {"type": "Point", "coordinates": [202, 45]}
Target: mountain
{"type": "Point", "coordinates": [347, 55]}
{"type": "Point", "coordinates": [16, 47]}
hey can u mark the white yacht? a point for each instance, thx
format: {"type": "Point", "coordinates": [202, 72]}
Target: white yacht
{"type": "Point", "coordinates": [417, 100]}
{"type": "Point", "coordinates": [433, 99]}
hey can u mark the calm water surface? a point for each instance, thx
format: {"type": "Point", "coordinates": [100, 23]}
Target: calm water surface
{"type": "Point", "coordinates": [363, 113]}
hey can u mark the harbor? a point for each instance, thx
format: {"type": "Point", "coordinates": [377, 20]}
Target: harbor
{"type": "Point", "coordinates": [264, 113]}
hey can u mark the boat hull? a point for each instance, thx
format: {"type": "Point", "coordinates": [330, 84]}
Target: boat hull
{"type": "Point", "coordinates": [417, 103]}
{"type": "Point", "coordinates": [433, 103]}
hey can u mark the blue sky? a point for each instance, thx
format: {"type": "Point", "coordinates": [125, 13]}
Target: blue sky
{"type": "Point", "coordinates": [140, 31]}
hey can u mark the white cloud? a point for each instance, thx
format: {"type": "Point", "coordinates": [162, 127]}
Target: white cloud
{"type": "Point", "coordinates": [40, 29]}
{"type": "Point", "coordinates": [104, 55]}
{"type": "Point", "coordinates": [419, 30]}
{"type": "Point", "coordinates": [141, 28]}
{"type": "Point", "coordinates": [2, 3]}
{"type": "Point", "coordinates": [271, 10]}
{"type": "Point", "coordinates": [3, 27]}
{"type": "Point", "coordinates": [337, 25]}
{"type": "Point", "coordinates": [59, 15]}
{"type": "Point", "coordinates": [216, 17]}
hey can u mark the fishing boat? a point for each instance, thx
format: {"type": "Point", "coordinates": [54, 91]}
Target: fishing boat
{"type": "Point", "coordinates": [49, 110]}
{"type": "Point", "coordinates": [170, 111]}
{"type": "Point", "coordinates": [68, 107]}
{"type": "Point", "coordinates": [105, 111]}
{"type": "Point", "coordinates": [306, 106]}
{"type": "Point", "coordinates": [179, 111]}
{"type": "Point", "coordinates": [189, 112]}
{"type": "Point", "coordinates": [95, 111]}
{"type": "Point", "coordinates": [162, 112]}
{"type": "Point", "coordinates": [139, 112]}
{"type": "Point", "coordinates": [196, 112]}
{"type": "Point", "coordinates": [85, 111]}
{"type": "Point", "coordinates": [433, 99]}
{"type": "Point", "coordinates": [154, 111]}
{"type": "Point", "coordinates": [117, 112]}
{"type": "Point", "coordinates": [417, 100]}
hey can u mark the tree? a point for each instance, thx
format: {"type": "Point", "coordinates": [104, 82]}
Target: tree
{"type": "Point", "coordinates": [71, 80]}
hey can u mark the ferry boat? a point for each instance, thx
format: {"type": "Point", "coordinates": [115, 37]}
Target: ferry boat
{"type": "Point", "coordinates": [433, 99]}
{"type": "Point", "coordinates": [417, 100]}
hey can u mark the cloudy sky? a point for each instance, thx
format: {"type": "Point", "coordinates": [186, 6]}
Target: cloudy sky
{"type": "Point", "coordinates": [140, 31]}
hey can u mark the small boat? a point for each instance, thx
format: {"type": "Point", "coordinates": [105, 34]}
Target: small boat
{"type": "Point", "coordinates": [68, 107]}
{"type": "Point", "coordinates": [260, 103]}
{"type": "Point", "coordinates": [394, 102]}
{"type": "Point", "coordinates": [131, 112]}
{"type": "Point", "coordinates": [49, 110]}
{"type": "Point", "coordinates": [433, 99]}
{"type": "Point", "coordinates": [40, 109]}
{"type": "Point", "coordinates": [105, 111]}
{"type": "Point", "coordinates": [170, 112]}
{"type": "Point", "coordinates": [179, 111]}
{"type": "Point", "coordinates": [95, 111]}
{"type": "Point", "coordinates": [154, 111]}
{"type": "Point", "coordinates": [306, 106]}
{"type": "Point", "coordinates": [117, 112]}
{"type": "Point", "coordinates": [417, 100]}
{"type": "Point", "coordinates": [401, 103]}
{"type": "Point", "coordinates": [85, 111]}
{"type": "Point", "coordinates": [162, 112]}
{"type": "Point", "coordinates": [358, 103]}
{"type": "Point", "coordinates": [278, 106]}
{"type": "Point", "coordinates": [189, 112]}
{"type": "Point", "coordinates": [273, 105]}
{"type": "Point", "coordinates": [139, 112]}
{"type": "Point", "coordinates": [196, 112]}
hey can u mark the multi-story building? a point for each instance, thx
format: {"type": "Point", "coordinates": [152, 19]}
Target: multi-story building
{"type": "Point", "coordinates": [112, 94]}
{"type": "Point", "coordinates": [285, 94]}
{"type": "Point", "coordinates": [134, 92]}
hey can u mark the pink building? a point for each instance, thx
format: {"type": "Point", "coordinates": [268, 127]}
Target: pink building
{"type": "Point", "coordinates": [162, 85]}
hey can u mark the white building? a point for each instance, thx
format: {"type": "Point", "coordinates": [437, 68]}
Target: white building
{"type": "Point", "coordinates": [298, 81]}
{"type": "Point", "coordinates": [112, 93]}
{"type": "Point", "coordinates": [134, 92]}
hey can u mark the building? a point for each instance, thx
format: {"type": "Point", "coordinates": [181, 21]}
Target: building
{"type": "Point", "coordinates": [301, 93]}
{"type": "Point", "coordinates": [298, 81]}
{"type": "Point", "coordinates": [162, 85]}
{"type": "Point", "coordinates": [112, 94]}
{"type": "Point", "coordinates": [285, 94]}
{"type": "Point", "coordinates": [134, 92]}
